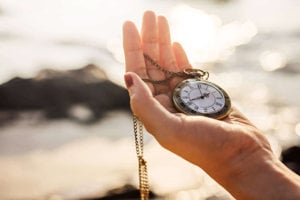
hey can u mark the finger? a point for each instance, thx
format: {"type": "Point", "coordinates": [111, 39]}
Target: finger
{"type": "Point", "coordinates": [167, 57]}
{"type": "Point", "coordinates": [132, 46]}
{"type": "Point", "coordinates": [134, 57]}
{"type": "Point", "coordinates": [181, 57]}
{"type": "Point", "coordinates": [154, 116]}
{"type": "Point", "coordinates": [151, 47]}
{"type": "Point", "coordinates": [149, 35]}
{"type": "Point", "coordinates": [182, 62]}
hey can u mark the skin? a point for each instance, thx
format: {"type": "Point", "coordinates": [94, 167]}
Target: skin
{"type": "Point", "coordinates": [232, 150]}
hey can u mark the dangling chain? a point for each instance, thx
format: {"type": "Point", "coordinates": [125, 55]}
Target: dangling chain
{"type": "Point", "coordinates": [139, 147]}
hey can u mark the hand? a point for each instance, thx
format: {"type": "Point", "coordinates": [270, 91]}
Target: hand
{"type": "Point", "coordinates": [232, 151]}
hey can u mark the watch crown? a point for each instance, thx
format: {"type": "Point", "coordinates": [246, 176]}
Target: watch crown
{"type": "Point", "coordinates": [196, 73]}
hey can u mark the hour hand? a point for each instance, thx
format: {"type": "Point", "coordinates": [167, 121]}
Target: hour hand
{"type": "Point", "coordinates": [205, 95]}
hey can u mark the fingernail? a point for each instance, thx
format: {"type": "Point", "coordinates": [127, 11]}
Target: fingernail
{"type": "Point", "coordinates": [128, 80]}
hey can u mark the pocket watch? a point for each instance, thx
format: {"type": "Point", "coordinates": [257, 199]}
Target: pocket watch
{"type": "Point", "coordinates": [201, 97]}
{"type": "Point", "coordinates": [195, 95]}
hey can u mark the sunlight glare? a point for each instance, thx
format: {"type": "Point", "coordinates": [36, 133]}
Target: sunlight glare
{"type": "Point", "coordinates": [297, 129]}
{"type": "Point", "coordinates": [272, 60]}
{"type": "Point", "coordinates": [205, 36]}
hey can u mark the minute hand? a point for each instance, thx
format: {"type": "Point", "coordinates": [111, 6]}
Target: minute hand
{"type": "Point", "coordinates": [199, 87]}
{"type": "Point", "coordinates": [200, 97]}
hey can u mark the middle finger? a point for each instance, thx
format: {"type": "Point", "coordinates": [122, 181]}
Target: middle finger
{"type": "Point", "coordinates": [150, 45]}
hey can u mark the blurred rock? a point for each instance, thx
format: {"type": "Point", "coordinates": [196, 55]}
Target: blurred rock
{"type": "Point", "coordinates": [291, 158]}
{"type": "Point", "coordinates": [293, 68]}
{"type": "Point", "coordinates": [84, 94]}
{"type": "Point", "coordinates": [126, 192]}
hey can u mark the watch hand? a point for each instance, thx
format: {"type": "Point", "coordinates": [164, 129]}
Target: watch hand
{"type": "Point", "coordinates": [200, 97]}
{"type": "Point", "coordinates": [205, 95]}
{"type": "Point", "coordinates": [200, 90]}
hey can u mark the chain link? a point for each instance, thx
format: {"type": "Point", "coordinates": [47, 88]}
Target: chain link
{"type": "Point", "coordinates": [142, 164]}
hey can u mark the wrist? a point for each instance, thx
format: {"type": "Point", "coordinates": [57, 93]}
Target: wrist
{"type": "Point", "coordinates": [266, 178]}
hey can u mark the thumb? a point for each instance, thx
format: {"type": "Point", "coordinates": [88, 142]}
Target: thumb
{"type": "Point", "coordinates": [152, 114]}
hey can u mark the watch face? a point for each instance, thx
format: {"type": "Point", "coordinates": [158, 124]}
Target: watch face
{"type": "Point", "coordinates": [199, 97]}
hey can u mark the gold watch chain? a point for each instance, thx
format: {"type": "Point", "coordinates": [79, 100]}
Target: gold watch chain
{"type": "Point", "coordinates": [139, 146]}
{"type": "Point", "coordinates": [186, 73]}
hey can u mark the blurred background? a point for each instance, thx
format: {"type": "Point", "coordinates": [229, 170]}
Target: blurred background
{"type": "Point", "coordinates": [65, 124]}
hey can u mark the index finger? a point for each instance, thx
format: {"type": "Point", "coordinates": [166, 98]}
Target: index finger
{"type": "Point", "coordinates": [132, 46]}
